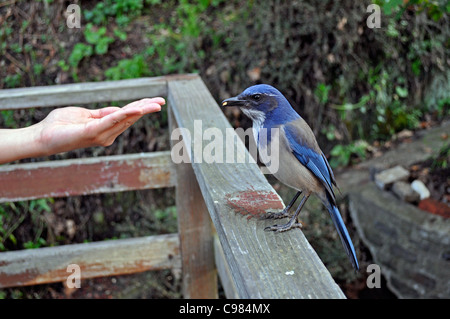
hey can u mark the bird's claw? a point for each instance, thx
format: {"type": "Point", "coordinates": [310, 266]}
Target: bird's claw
{"type": "Point", "coordinates": [282, 228]}
{"type": "Point", "coordinates": [276, 215]}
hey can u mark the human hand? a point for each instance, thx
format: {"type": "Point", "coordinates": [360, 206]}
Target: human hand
{"type": "Point", "coordinates": [71, 128]}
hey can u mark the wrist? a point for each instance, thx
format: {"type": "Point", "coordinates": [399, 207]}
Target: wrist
{"type": "Point", "coordinates": [37, 146]}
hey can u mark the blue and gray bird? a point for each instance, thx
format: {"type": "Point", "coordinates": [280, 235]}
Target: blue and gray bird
{"type": "Point", "coordinates": [302, 164]}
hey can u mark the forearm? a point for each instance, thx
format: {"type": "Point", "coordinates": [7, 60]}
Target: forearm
{"type": "Point", "coordinates": [20, 143]}
{"type": "Point", "coordinates": [69, 128]}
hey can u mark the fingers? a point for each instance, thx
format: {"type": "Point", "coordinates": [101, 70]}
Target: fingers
{"type": "Point", "coordinates": [145, 106]}
{"type": "Point", "coordinates": [103, 111]}
{"type": "Point", "coordinates": [112, 121]}
{"type": "Point", "coordinates": [119, 128]}
{"type": "Point", "coordinates": [139, 107]}
{"type": "Point", "coordinates": [110, 126]}
{"type": "Point", "coordinates": [157, 100]}
{"type": "Point", "coordinates": [115, 119]}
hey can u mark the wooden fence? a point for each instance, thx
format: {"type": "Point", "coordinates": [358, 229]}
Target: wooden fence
{"type": "Point", "coordinates": [250, 262]}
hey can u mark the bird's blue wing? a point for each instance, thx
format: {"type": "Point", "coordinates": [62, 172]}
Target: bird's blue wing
{"type": "Point", "coordinates": [304, 147]}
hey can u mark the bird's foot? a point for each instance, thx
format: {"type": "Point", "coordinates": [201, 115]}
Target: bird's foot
{"type": "Point", "coordinates": [276, 215]}
{"type": "Point", "coordinates": [281, 228]}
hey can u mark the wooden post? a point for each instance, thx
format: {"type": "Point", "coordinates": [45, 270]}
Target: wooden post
{"type": "Point", "coordinates": [196, 234]}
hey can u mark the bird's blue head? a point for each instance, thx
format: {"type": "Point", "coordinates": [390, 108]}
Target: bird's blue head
{"type": "Point", "coordinates": [261, 102]}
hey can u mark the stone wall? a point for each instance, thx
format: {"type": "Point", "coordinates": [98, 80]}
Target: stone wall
{"type": "Point", "coordinates": [411, 246]}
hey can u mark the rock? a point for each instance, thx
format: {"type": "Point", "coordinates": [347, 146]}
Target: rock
{"type": "Point", "coordinates": [420, 188]}
{"type": "Point", "coordinates": [411, 246]}
{"type": "Point", "coordinates": [404, 134]}
{"type": "Point", "coordinates": [435, 207]}
{"type": "Point", "coordinates": [387, 177]}
{"type": "Point", "coordinates": [405, 192]}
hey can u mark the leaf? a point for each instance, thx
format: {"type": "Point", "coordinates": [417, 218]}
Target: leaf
{"type": "Point", "coordinates": [43, 205]}
{"type": "Point", "coordinates": [13, 239]}
{"type": "Point", "coordinates": [102, 46]}
{"type": "Point", "coordinates": [415, 66]}
{"type": "Point", "coordinates": [80, 50]}
{"type": "Point", "coordinates": [389, 5]}
{"type": "Point", "coordinates": [402, 92]}
{"type": "Point", "coordinates": [322, 92]}
{"type": "Point", "coordinates": [93, 36]}
{"type": "Point", "coordinates": [120, 34]}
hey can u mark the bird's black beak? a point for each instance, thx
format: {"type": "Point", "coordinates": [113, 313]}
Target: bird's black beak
{"type": "Point", "coordinates": [233, 101]}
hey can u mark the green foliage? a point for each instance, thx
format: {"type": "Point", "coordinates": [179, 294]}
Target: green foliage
{"type": "Point", "coordinates": [13, 80]}
{"type": "Point", "coordinates": [434, 9]}
{"type": "Point", "coordinates": [175, 40]}
{"type": "Point", "coordinates": [79, 52]}
{"type": "Point", "coordinates": [13, 214]}
{"type": "Point", "coordinates": [120, 34]}
{"type": "Point", "coordinates": [122, 11]}
{"type": "Point", "coordinates": [342, 155]}
{"type": "Point", "coordinates": [177, 43]}
{"type": "Point", "coordinates": [97, 43]}
{"type": "Point", "coordinates": [98, 38]}
{"type": "Point", "coordinates": [442, 160]}
{"type": "Point", "coordinates": [8, 118]}
{"type": "Point", "coordinates": [443, 107]}
{"type": "Point", "coordinates": [165, 218]}
{"type": "Point", "coordinates": [128, 69]}
{"type": "Point", "coordinates": [388, 96]}
{"type": "Point", "coordinates": [383, 110]}
{"type": "Point", "coordinates": [322, 92]}
{"type": "Point", "coordinates": [40, 242]}
{"type": "Point", "coordinates": [167, 213]}
{"type": "Point", "coordinates": [38, 68]}
{"type": "Point", "coordinates": [63, 65]}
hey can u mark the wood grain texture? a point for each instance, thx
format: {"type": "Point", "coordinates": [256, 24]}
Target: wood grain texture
{"type": "Point", "coordinates": [86, 176]}
{"type": "Point", "coordinates": [84, 93]}
{"type": "Point", "coordinates": [97, 259]}
{"type": "Point", "coordinates": [262, 264]}
{"type": "Point", "coordinates": [196, 234]}
{"type": "Point", "coordinates": [226, 279]}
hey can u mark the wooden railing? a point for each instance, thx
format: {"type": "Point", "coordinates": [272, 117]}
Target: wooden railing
{"type": "Point", "coordinates": [250, 262]}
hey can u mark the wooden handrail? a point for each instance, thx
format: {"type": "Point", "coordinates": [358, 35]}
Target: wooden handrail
{"type": "Point", "coordinates": [84, 93]}
{"type": "Point", "coordinates": [251, 263]}
{"type": "Point", "coordinates": [262, 264]}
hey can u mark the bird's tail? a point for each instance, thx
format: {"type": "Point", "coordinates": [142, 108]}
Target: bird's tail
{"type": "Point", "coordinates": [343, 233]}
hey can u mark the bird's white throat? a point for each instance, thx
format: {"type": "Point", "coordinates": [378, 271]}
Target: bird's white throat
{"type": "Point", "coordinates": [258, 119]}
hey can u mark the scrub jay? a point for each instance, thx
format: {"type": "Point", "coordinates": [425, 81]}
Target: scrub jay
{"type": "Point", "coordinates": [302, 164]}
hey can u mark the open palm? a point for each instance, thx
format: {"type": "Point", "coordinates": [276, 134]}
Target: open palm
{"type": "Point", "coordinates": [70, 128]}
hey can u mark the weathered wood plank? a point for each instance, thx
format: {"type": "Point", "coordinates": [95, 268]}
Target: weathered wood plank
{"type": "Point", "coordinates": [263, 264]}
{"type": "Point", "coordinates": [226, 279]}
{"type": "Point", "coordinates": [86, 176]}
{"type": "Point", "coordinates": [97, 259]}
{"type": "Point", "coordinates": [89, 92]}
{"type": "Point", "coordinates": [196, 235]}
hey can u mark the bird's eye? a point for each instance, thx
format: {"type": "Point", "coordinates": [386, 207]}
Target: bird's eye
{"type": "Point", "coordinates": [256, 97]}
